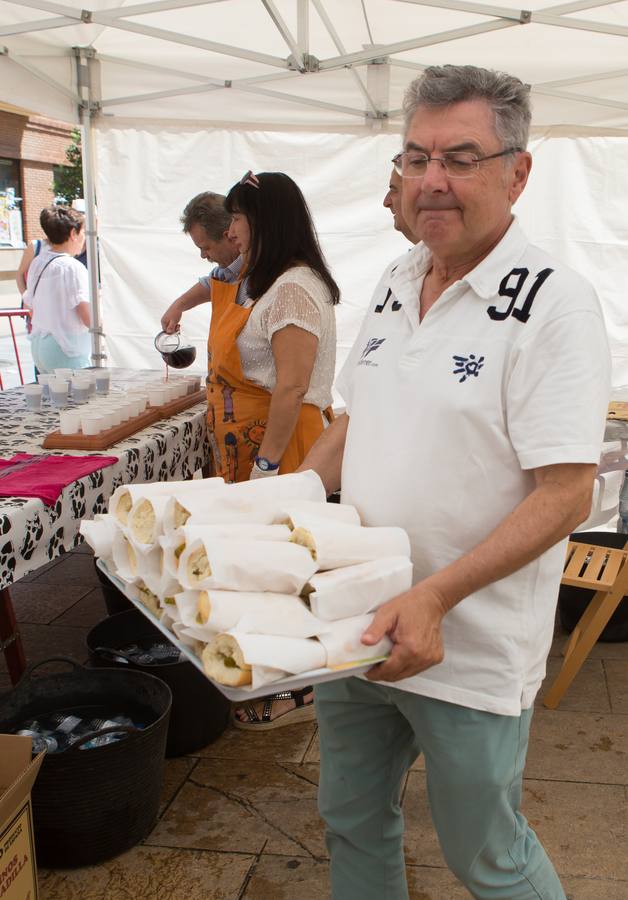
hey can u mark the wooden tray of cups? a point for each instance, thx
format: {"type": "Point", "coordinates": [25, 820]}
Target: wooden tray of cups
{"type": "Point", "coordinates": [618, 409]}
{"type": "Point", "coordinates": [105, 439]}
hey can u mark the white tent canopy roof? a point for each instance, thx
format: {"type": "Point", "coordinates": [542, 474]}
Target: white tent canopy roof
{"type": "Point", "coordinates": [320, 64]}
{"type": "Point", "coordinates": [181, 96]}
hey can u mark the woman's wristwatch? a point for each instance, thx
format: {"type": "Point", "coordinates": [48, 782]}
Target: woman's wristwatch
{"type": "Point", "coordinates": [265, 465]}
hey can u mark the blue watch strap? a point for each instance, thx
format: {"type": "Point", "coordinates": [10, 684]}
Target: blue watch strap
{"type": "Point", "coordinates": [265, 464]}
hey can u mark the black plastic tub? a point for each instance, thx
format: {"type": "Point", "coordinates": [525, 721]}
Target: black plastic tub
{"type": "Point", "coordinates": [90, 805]}
{"type": "Point", "coordinates": [572, 601]}
{"type": "Point", "coordinates": [200, 713]}
{"type": "Point", "coordinates": [115, 601]}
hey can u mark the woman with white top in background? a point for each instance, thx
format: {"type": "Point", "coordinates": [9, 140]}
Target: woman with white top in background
{"type": "Point", "coordinates": [58, 294]}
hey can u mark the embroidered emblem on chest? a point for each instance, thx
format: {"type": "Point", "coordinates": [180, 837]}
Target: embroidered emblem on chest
{"type": "Point", "coordinates": [372, 345]}
{"type": "Point", "coordinates": [467, 366]}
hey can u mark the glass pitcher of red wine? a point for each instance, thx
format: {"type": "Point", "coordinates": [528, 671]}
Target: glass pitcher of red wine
{"type": "Point", "coordinates": [175, 350]}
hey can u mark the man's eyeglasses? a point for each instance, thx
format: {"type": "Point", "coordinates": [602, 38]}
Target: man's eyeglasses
{"type": "Point", "coordinates": [457, 163]}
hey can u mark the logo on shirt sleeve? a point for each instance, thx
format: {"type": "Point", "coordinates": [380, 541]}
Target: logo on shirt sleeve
{"type": "Point", "coordinates": [467, 366]}
{"type": "Point", "coordinates": [372, 345]}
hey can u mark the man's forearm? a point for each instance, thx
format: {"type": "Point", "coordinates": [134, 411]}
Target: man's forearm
{"type": "Point", "coordinates": [325, 456]}
{"type": "Point", "coordinates": [194, 297]}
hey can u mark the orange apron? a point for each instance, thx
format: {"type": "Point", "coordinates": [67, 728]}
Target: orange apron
{"type": "Point", "coordinates": [237, 410]}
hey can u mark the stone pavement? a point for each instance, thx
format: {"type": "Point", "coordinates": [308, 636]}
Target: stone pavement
{"type": "Point", "coordinates": [238, 819]}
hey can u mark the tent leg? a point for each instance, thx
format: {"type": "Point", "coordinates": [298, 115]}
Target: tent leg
{"type": "Point", "coordinates": [85, 63]}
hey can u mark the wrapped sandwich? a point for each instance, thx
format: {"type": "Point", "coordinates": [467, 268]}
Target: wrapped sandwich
{"type": "Point", "coordinates": [210, 612]}
{"type": "Point", "coordinates": [231, 658]}
{"type": "Point", "coordinates": [333, 545]}
{"type": "Point", "coordinates": [174, 543]}
{"type": "Point", "coordinates": [357, 590]}
{"type": "Point", "coordinates": [277, 566]}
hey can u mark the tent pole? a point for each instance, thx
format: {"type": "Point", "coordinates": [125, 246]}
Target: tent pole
{"type": "Point", "coordinates": [91, 237]}
{"type": "Point", "coordinates": [86, 112]}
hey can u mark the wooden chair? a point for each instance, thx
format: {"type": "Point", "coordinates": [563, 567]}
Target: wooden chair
{"type": "Point", "coordinates": [604, 570]}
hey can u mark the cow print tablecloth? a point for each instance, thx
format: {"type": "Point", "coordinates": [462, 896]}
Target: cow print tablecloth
{"type": "Point", "coordinates": [31, 533]}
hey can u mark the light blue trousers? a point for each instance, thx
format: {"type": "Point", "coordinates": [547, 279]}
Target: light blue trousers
{"type": "Point", "coordinates": [48, 355]}
{"type": "Point", "coordinates": [370, 735]}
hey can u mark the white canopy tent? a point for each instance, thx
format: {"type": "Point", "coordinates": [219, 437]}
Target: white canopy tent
{"type": "Point", "coordinates": [180, 96]}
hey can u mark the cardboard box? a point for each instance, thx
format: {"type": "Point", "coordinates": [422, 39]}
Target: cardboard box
{"type": "Point", "coordinates": [18, 868]}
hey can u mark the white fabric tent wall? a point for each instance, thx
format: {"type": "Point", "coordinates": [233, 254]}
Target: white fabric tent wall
{"type": "Point", "coordinates": [185, 95]}
{"type": "Point", "coordinates": [573, 207]}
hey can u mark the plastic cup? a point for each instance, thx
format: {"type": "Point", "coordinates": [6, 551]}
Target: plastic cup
{"type": "Point", "coordinates": [44, 379]}
{"type": "Point", "coordinates": [109, 418]}
{"type": "Point", "coordinates": [157, 397]}
{"type": "Point", "coordinates": [141, 400]}
{"type": "Point", "coordinates": [116, 415]}
{"type": "Point", "coordinates": [80, 389]}
{"type": "Point", "coordinates": [134, 407]}
{"type": "Point", "coordinates": [69, 422]}
{"type": "Point", "coordinates": [64, 374]}
{"type": "Point", "coordinates": [33, 394]}
{"type": "Point", "coordinates": [58, 392]}
{"type": "Point", "coordinates": [102, 382]}
{"type": "Point", "coordinates": [92, 424]}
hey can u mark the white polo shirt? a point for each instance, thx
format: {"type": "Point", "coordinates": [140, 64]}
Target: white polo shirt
{"type": "Point", "coordinates": [508, 371]}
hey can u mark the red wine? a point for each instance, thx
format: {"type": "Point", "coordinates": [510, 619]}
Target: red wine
{"type": "Point", "coordinates": [180, 358]}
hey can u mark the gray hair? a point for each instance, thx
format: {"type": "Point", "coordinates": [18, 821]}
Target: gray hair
{"type": "Point", "coordinates": [508, 97]}
{"type": "Point", "coordinates": [207, 210]}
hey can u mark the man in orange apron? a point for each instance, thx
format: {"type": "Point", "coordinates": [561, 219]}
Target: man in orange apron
{"type": "Point", "coordinates": [206, 220]}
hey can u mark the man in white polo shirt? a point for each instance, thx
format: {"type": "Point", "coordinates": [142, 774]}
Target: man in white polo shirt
{"type": "Point", "coordinates": [476, 396]}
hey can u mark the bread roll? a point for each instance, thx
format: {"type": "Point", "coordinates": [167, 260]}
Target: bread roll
{"type": "Point", "coordinates": [224, 663]}
{"type": "Point", "coordinates": [143, 521]}
{"type": "Point", "coordinates": [198, 567]}
{"type": "Point", "coordinates": [305, 539]}
{"type": "Point", "coordinates": [123, 507]}
{"type": "Point", "coordinates": [204, 608]}
{"type": "Point", "coordinates": [148, 599]}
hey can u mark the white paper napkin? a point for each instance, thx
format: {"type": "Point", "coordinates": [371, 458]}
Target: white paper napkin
{"type": "Point", "coordinates": [357, 590]}
{"type": "Point", "coordinates": [290, 511]}
{"type": "Point", "coordinates": [99, 533]}
{"type": "Point", "coordinates": [343, 645]}
{"type": "Point", "coordinates": [124, 557]}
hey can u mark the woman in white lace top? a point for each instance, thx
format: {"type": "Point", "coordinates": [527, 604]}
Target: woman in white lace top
{"type": "Point", "coordinates": [272, 352]}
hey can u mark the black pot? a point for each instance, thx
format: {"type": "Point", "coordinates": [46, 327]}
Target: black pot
{"type": "Point", "coordinates": [200, 713]}
{"type": "Point", "coordinates": [90, 805]}
{"type": "Point", "coordinates": [573, 601]}
{"type": "Point", "coordinates": [115, 601]}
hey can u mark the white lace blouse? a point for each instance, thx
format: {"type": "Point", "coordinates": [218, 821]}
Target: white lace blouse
{"type": "Point", "coordinates": [298, 297]}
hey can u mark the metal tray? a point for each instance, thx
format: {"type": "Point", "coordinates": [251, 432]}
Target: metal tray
{"type": "Point", "coordinates": [292, 682]}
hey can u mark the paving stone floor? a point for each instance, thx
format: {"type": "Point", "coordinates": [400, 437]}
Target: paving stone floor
{"type": "Point", "coordinates": [238, 819]}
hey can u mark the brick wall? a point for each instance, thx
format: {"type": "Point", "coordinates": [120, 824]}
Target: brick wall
{"type": "Point", "coordinates": [37, 193]}
{"type": "Point", "coordinates": [40, 144]}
